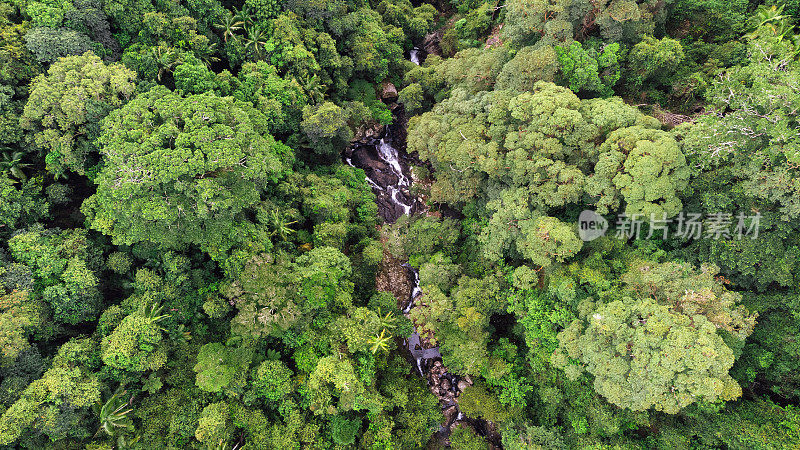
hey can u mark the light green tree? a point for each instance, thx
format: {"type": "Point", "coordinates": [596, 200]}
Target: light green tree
{"type": "Point", "coordinates": [66, 105]}
{"type": "Point", "coordinates": [655, 60]}
{"type": "Point", "coordinates": [326, 128]}
{"type": "Point", "coordinates": [692, 291]}
{"type": "Point", "coordinates": [279, 99]}
{"type": "Point", "coordinates": [543, 141]}
{"type": "Point", "coordinates": [526, 19]}
{"type": "Point", "coordinates": [589, 70]}
{"type": "Point", "coordinates": [136, 343]}
{"type": "Point", "coordinates": [272, 380]}
{"type": "Point", "coordinates": [515, 230]}
{"type": "Point", "coordinates": [459, 322]}
{"type": "Point", "coordinates": [643, 166]}
{"type": "Point", "coordinates": [325, 278]}
{"type": "Point", "coordinates": [223, 368]}
{"type": "Point", "coordinates": [529, 65]}
{"type": "Point", "coordinates": [69, 384]}
{"type": "Point", "coordinates": [335, 388]}
{"type": "Point", "coordinates": [19, 316]}
{"type": "Point", "coordinates": [264, 296]}
{"type": "Point", "coordinates": [214, 427]}
{"type": "Point", "coordinates": [661, 343]}
{"type": "Point", "coordinates": [477, 401]}
{"type": "Point", "coordinates": [64, 265]}
{"type": "Point", "coordinates": [644, 355]}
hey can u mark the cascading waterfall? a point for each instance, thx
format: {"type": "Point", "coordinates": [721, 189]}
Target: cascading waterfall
{"type": "Point", "coordinates": [387, 174]}
{"type": "Point", "coordinates": [416, 291]}
{"type": "Point", "coordinates": [413, 55]}
{"type": "Point", "coordinates": [390, 156]}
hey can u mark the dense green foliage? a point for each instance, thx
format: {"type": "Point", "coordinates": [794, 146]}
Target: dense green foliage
{"type": "Point", "coordinates": [186, 261]}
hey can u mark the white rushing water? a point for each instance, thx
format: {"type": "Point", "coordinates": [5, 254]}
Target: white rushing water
{"type": "Point", "coordinates": [415, 291]}
{"type": "Point", "coordinates": [413, 55]}
{"type": "Point", "coordinates": [389, 155]}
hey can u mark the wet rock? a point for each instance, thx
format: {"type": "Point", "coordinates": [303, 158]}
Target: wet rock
{"type": "Point", "coordinates": [385, 180]}
{"type": "Point", "coordinates": [365, 158]}
{"type": "Point", "coordinates": [430, 353]}
{"type": "Point", "coordinates": [445, 385]}
{"type": "Point", "coordinates": [494, 39]}
{"type": "Point", "coordinates": [388, 92]}
{"type": "Point", "coordinates": [387, 170]}
{"type": "Point", "coordinates": [399, 130]}
{"type": "Point", "coordinates": [422, 356]}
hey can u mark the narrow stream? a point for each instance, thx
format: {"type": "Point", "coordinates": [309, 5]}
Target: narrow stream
{"type": "Point", "coordinates": [416, 291]}
{"type": "Point", "coordinates": [387, 171]}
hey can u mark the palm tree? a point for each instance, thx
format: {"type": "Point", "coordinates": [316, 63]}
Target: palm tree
{"type": "Point", "coordinates": [113, 414]}
{"type": "Point", "coordinates": [229, 25]}
{"type": "Point", "coordinates": [11, 162]}
{"type": "Point", "coordinates": [280, 224]}
{"type": "Point", "coordinates": [380, 342]}
{"type": "Point", "coordinates": [208, 55]}
{"type": "Point", "coordinates": [314, 89]}
{"type": "Point", "coordinates": [166, 59]}
{"type": "Point", "coordinates": [153, 312]}
{"type": "Point", "coordinates": [765, 15]}
{"type": "Point", "coordinates": [772, 19]}
{"type": "Point", "coordinates": [256, 40]}
{"type": "Point", "coordinates": [386, 321]}
{"type": "Point", "coordinates": [244, 15]}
